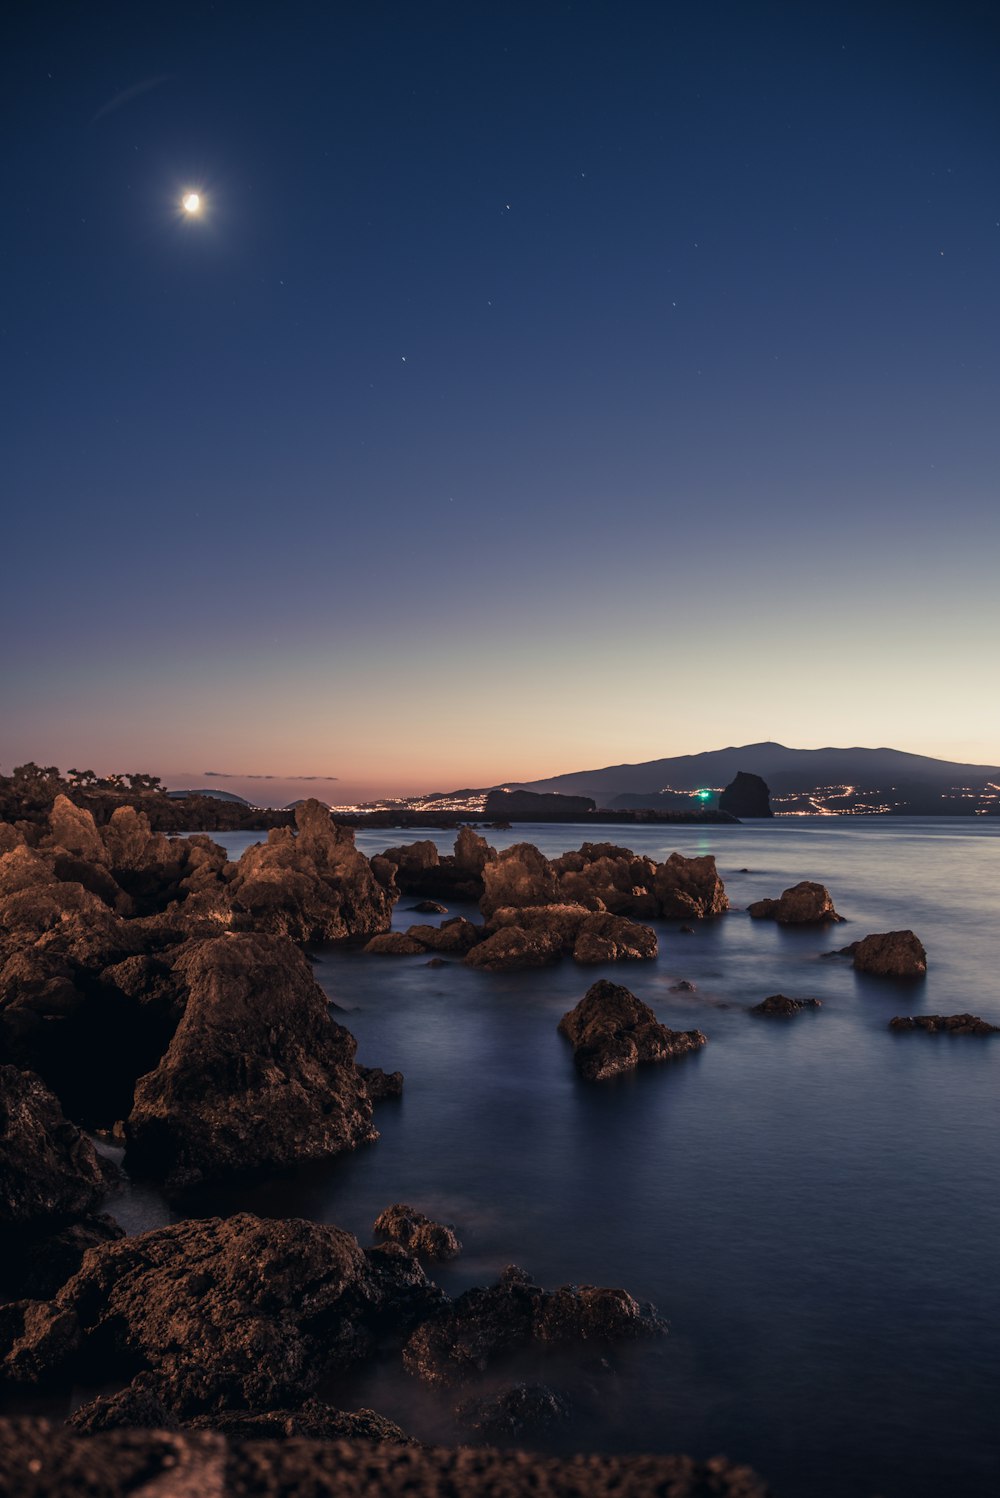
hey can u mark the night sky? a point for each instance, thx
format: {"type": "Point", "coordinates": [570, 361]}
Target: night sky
{"type": "Point", "coordinates": [541, 386]}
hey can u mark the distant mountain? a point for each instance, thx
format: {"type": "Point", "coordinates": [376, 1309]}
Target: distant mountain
{"type": "Point", "coordinates": [786, 771]}
{"type": "Point", "coordinates": [216, 796]}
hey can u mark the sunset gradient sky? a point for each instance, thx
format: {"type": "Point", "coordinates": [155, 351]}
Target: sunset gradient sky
{"type": "Point", "coordinates": [543, 386]}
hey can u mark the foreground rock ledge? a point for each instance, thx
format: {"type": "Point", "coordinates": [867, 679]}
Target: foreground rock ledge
{"type": "Point", "coordinates": [39, 1461]}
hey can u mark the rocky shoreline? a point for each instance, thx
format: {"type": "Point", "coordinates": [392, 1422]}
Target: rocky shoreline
{"type": "Point", "coordinates": [155, 993]}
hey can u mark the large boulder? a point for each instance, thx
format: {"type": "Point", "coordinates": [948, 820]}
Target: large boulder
{"type": "Point", "coordinates": [512, 947]}
{"type": "Point", "coordinates": [612, 1031]}
{"type": "Point", "coordinates": [612, 938]}
{"type": "Point", "coordinates": [38, 1460]}
{"type": "Point", "coordinates": [589, 936]}
{"type": "Point", "coordinates": [453, 937]}
{"type": "Point", "coordinates": [603, 876]}
{"type": "Point", "coordinates": [689, 887]}
{"type": "Point", "coordinates": [72, 827]}
{"type": "Point", "coordinates": [518, 876]}
{"type": "Point", "coordinates": [890, 954]}
{"type": "Point", "coordinates": [803, 904]}
{"type": "Point", "coordinates": [488, 1323]}
{"type": "Point", "coordinates": [315, 886]}
{"type": "Point", "coordinates": [257, 1073]}
{"type": "Point", "coordinates": [243, 1313]}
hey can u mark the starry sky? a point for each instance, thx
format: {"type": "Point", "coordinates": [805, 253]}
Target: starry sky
{"type": "Point", "coordinates": [542, 386]}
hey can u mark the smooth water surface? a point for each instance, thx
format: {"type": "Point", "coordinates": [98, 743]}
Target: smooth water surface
{"type": "Point", "coordinates": [812, 1204]}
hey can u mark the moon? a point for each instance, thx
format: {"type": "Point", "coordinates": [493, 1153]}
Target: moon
{"type": "Point", "coordinates": [191, 202]}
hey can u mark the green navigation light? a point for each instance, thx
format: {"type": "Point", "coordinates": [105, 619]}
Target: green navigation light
{"type": "Point", "coordinates": [704, 795]}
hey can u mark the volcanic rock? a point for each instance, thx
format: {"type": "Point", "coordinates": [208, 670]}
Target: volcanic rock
{"type": "Point", "coordinates": [455, 936]}
{"type": "Point", "coordinates": [256, 1075]}
{"type": "Point", "coordinates": [429, 907]}
{"type": "Point", "coordinates": [487, 1323]}
{"type": "Point", "coordinates": [781, 1007]}
{"type": "Point", "coordinates": [518, 876]}
{"type": "Point", "coordinates": [394, 944]}
{"type": "Point", "coordinates": [50, 1172]}
{"type": "Point", "coordinates": [417, 1234]}
{"type": "Point", "coordinates": [612, 1031]}
{"type": "Point", "coordinates": [890, 954]}
{"type": "Point", "coordinates": [804, 904]}
{"type": "Point", "coordinates": [381, 1084]}
{"type": "Point", "coordinates": [613, 938]}
{"type": "Point", "coordinates": [512, 947]}
{"type": "Point", "coordinates": [73, 828]}
{"type": "Point", "coordinates": [689, 887]}
{"type": "Point", "coordinates": [246, 1313]}
{"type": "Point", "coordinates": [945, 1024]}
{"type": "Point", "coordinates": [38, 1460]}
{"type": "Point", "coordinates": [312, 887]}
{"type": "Point", "coordinates": [514, 1411]}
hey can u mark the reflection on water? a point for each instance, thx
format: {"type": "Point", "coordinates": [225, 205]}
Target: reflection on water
{"type": "Point", "coordinates": [813, 1205]}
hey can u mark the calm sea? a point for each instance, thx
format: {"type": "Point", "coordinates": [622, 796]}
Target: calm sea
{"type": "Point", "coordinates": [813, 1205]}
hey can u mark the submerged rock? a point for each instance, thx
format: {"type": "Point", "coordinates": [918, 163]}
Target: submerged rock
{"type": "Point", "coordinates": [778, 1005]}
{"type": "Point", "coordinates": [38, 1460]}
{"type": "Point", "coordinates": [246, 1313]}
{"type": "Point", "coordinates": [612, 1031]}
{"type": "Point", "coordinates": [416, 1233]}
{"type": "Point", "coordinates": [256, 1075]}
{"type": "Point", "coordinates": [889, 954]}
{"type": "Point", "coordinates": [804, 904]}
{"type": "Point", "coordinates": [517, 1410]}
{"type": "Point", "coordinates": [945, 1024]}
{"type": "Point", "coordinates": [487, 1323]}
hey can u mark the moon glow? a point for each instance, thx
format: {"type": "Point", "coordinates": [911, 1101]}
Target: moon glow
{"type": "Point", "coordinates": [191, 202]}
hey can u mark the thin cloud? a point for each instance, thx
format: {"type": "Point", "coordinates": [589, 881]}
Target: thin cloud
{"type": "Point", "coordinates": [233, 775]}
{"type": "Point", "coordinates": [128, 94]}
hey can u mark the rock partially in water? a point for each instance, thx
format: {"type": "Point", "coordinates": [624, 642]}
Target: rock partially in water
{"type": "Point", "coordinates": [945, 1024]}
{"type": "Point", "coordinates": [381, 1084]}
{"type": "Point", "coordinates": [589, 936]}
{"type": "Point", "coordinates": [417, 1233]}
{"type": "Point", "coordinates": [487, 1323]}
{"type": "Point", "coordinates": [313, 887]}
{"type": "Point", "coordinates": [612, 1031]}
{"type": "Point", "coordinates": [514, 1411]}
{"type": "Point", "coordinates": [804, 904]}
{"type": "Point", "coordinates": [256, 1075]}
{"type": "Point", "coordinates": [519, 876]}
{"type": "Point", "coordinates": [889, 954]}
{"type": "Point", "coordinates": [455, 937]}
{"type": "Point", "coordinates": [38, 1460]}
{"type": "Point", "coordinates": [689, 887]}
{"type": "Point", "coordinates": [614, 938]}
{"type": "Point", "coordinates": [429, 907]}
{"type": "Point", "coordinates": [779, 1006]}
{"type": "Point", "coordinates": [512, 947]}
{"type": "Point", "coordinates": [746, 795]}
{"type": "Point", "coordinates": [238, 1314]}
{"type": "Point", "coordinates": [394, 944]}
{"type": "Point", "coordinates": [50, 1172]}
{"type": "Point", "coordinates": [684, 986]}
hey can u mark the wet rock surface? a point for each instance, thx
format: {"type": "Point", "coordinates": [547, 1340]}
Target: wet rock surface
{"type": "Point", "coordinates": [417, 1233]}
{"type": "Point", "coordinates": [889, 954]}
{"type": "Point", "coordinates": [612, 1032]}
{"type": "Point", "coordinates": [485, 1324]}
{"type": "Point", "coordinates": [257, 1073]}
{"type": "Point", "coordinates": [39, 1461]}
{"type": "Point", "coordinates": [945, 1024]}
{"type": "Point", "coordinates": [780, 1006]}
{"type": "Point", "coordinates": [803, 904]}
{"type": "Point", "coordinates": [519, 1410]}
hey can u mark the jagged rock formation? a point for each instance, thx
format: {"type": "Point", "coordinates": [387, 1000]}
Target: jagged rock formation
{"type": "Point", "coordinates": [312, 887]}
{"type": "Point", "coordinates": [945, 1024]}
{"type": "Point", "coordinates": [486, 1323]}
{"type": "Point", "coordinates": [779, 1006]}
{"type": "Point", "coordinates": [40, 1461]}
{"type": "Point", "coordinates": [746, 795]}
{"type": "Point", "coordinates": [417, 1233]}
{"type": "Point", "coordinates": [889, 954]}
{"type": "Point", "coordinates": [804, 904]}
{"type": "Point", "coordinates": [257, 1074]}
{"type": "Point", "coordinates": [531, 936]}
{"type": "Point", "coordinates": [420, 870]}
{"type": "Point", "coordinates": [612, 1031]}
